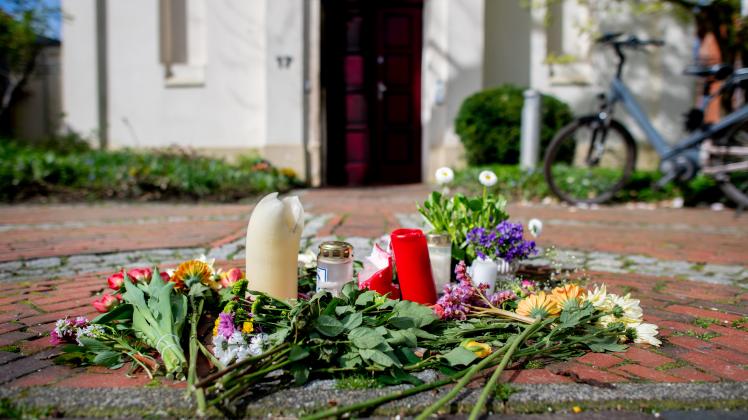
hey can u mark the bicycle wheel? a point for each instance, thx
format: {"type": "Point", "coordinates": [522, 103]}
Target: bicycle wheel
{"type": "Point", "coordinates": [587, 162]}
{"type": "Point", "coordinates": [733, 184]}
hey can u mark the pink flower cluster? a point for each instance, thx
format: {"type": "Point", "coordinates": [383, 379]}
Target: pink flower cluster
{"type": "Point", "coordinates": [66, 331]}
{"type": "Point", "coordinates": [457, 299]}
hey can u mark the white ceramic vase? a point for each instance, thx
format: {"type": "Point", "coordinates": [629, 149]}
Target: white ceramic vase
{"type": "Point", "coordinates": [484, 271]}
{"type": "Point", "coordinates": [506, 271]}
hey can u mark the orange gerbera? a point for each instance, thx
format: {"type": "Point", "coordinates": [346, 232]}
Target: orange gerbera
{"type": "Point", "coordinates": [568, 293]}
{"type": "Point", "coordinates": [538, 305]}
{"type": "Point", "coordinates": [191, 272]}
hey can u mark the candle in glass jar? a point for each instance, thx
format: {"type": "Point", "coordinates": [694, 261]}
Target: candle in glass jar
{"type": "Point", "coordinates": [272, 249]}
{"type": "Point", "coordinates": [413, 266]}
{"type": "Point", "coordinates": [440, 255]}
{"type": "Point", "coordinates": [334, 266]}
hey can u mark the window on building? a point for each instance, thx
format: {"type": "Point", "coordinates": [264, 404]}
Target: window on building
{"type": "Point", "coordinates": [182, 41]}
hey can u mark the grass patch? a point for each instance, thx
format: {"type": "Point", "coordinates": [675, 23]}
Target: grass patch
{"type": "Point", "coordinates": [706, 322]}
{"type": "Point", "coordinates": [659, 286]}
{"type": "Point", "coordinates": [504, 391]}
{"type": "Point", "coordinates": [11, 410]}
{"type": "Point", "coordinates": [703, 336]}
{"type": "Point", "coordinates": [534, 364]}
{"type": "Point", "coordinates": [741, 323]}
{"type": "Point", "coordinates": [11, 348]}
{"type": "Point", "coordinates": [357, 382]}
{"type": "Point", "coordinates": [672, 365]}
{"type": "Point", "coordinates": [698, 267]}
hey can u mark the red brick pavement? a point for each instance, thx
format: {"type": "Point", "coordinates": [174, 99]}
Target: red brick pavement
{"type": "Point", "coordinates": [704, 327]}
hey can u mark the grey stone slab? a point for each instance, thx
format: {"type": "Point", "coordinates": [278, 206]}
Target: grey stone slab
{"type": "Point", "coordinates": [43, 263]}
{"type": "Point", "coordinates": [721, 269]}
{"type": "Point", "coordinates": [641, 259]}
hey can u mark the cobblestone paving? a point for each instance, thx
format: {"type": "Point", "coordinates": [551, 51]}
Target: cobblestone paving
{"type": "Point", "coordinates": [687, 266]}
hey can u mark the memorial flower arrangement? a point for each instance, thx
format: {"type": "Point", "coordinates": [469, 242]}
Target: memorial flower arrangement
{"type": "Point", "coordinates": [168, 321]}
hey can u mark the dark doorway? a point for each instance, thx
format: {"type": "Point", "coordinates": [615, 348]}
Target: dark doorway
{"type": "Point", "coordinates": [371, 75]}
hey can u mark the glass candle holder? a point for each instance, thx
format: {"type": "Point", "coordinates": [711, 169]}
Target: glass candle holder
{"type": "Point", "coordinates": [334, 266]}
{"type": "Point", "coordinates": [440, 255]}
{"type": "Point", "coordinates": [413, 266]}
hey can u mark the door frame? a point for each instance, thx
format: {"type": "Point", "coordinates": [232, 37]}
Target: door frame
{"type": "Point", "coordinates": [317, 141]}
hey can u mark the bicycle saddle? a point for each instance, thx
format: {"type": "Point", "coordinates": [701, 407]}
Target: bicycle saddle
{"type": "Point", "coordinates": [718, 71]}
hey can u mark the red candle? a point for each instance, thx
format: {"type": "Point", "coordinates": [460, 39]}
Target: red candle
{"type": "Point", "coordinates": [413, 266]}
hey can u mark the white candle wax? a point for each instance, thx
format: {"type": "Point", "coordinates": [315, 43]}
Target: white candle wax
{"type": "Point", "coordinates": [272, 249]}
{"type": "Point", "coordinates": [440, 268]}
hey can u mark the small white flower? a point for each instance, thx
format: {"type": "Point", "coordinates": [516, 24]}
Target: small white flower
{"type": "Point", "coordinates": [488, 178]}
{"type": "Point", "coordinates": [307, 259]}
{"type": "Point", "coordinates": [646, 333]}
{"type": "Point", "coordinates": [444, 175]}
{"type": "Point", "coordinates": [598, 296]}
{"type": "Point", "coordinates": [535, 226]}
{"type": "Point", "coordinates": [631, 309]}
{"type": "Point", "coordinates": [90, 331]}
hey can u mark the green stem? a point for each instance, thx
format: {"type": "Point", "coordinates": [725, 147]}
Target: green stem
{"type": "Point", "coordinates": [192, 370]}
{"type": "Point", "coordinates": [433, 408]}
{"type": "Point", "coordinates": [246, 380]}
{"type": "Point", "coordinates": [337, 411]}
{"type": "Point", "coordinates": [496, 373]}
{"type": "Point", "coordinates": [207, 380]}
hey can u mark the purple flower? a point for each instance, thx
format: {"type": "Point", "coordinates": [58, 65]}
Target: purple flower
{"type": "Point", "coordinates": [505, 241]}
{"type": "Point", "coordinates": [498, 298]}
{"type": "Point", "coordinates": [457, 299]}
{"type": "Point", "coordinates": [226, 325]}
{"type": "Point", "coordinates": [66, 331]}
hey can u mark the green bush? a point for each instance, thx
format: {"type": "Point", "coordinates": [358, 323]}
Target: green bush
{"type": "Point", "coordinates": [489, 124]}
{"type": "Point", "coordinates": [517, 184]}
{"type": "Point", "coordinates": [29, 172]}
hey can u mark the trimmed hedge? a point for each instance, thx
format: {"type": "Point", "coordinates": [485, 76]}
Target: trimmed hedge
{"type": "Point", "coordinates": [489, 124]}
{"type": "Point", "coordinates": [32, 172]}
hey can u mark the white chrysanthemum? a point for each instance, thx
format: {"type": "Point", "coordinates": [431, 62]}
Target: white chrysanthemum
{"type": "Point", "coordinates": [257, 344]}
{"type": "Point", "coordinates": [208, 261]}
{"type": "Point", "coordinates": [631, 308]}
{"type": "Point", "coordinates": [444, 175]}
{"type": "Point", "coordinates": [535, 226]}
{"type": "Point", "coordinates": [646, 333]}
{"type": "Point", "coordinates": [488, 178]}
{"type": "Point", "coordinates": [598, 297]}
{"type": "Point", "coordinates": [307, 259]}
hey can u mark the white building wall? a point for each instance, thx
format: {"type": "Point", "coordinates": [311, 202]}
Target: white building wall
{"type": "Point", "coordinates": [223, 109]}
{"type": "Point", "coordinates": [79, 87]}
{"type": "Point", "coordinates": [452, 70]}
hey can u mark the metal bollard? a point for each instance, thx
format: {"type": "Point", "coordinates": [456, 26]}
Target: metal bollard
{"type": "Point", "coordinates": [530, 137]}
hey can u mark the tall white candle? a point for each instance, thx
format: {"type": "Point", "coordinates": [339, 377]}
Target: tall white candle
{"type": "Point", "coordinates": [272, 249]}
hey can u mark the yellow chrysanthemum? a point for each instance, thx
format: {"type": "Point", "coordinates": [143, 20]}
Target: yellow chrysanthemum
{"type": "Point", "coordinates": [215, 327]}
{"type": "Point", "coordinates": [247, 327]}
{"type": "Point", "coordinates": [538, 305]}
{"type": "Point", "coordinates": [479, 349]}
{"type": "Point", "coordinates": [193, 271]}
{"type": "Point", "coordinates": [570, 292]}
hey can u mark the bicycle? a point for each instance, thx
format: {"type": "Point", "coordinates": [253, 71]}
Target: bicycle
{"type": "Point", "coordinates": [593, 157]}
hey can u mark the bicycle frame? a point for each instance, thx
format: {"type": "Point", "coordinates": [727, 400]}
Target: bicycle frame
{"type": "Point", "coordinates": [621, 93]}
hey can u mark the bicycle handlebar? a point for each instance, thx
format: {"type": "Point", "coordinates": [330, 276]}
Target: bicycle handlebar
{"type": "Point", "coordinates": [632, 41]}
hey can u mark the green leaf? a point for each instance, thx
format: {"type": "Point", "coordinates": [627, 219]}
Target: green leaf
{"type": "Point", "coordinates": [405, 337]}
{"type": "Point", "coordinates": [297, 353]}
{"type": "Point", "coordinates": [365, 338]}
{"type": "Point", "coordinates": [366, 298]}
{"type": "Point", "coordinates": [402, 323]}
{"type": "Point", "coordinates": [107, 358]}
{"type": "Point", "coordinates": [460, 356]}
{"type": "Point", "coordinates": [409, 356]}
{"type": "Point", "coordinates": [122, 312]}
{"type": "Point", "coordinates": [340, 310]}
{"type": "Point", "coordinates": [423, 334]}
{"type": "Point", "coordinates": [352, 321]}
{"type": "Point", "coordinates": [350, 359]}
{"type": "Point", "coordinates": [93, 345]}
{"type": "Point", "coordinates": [328, 326]}
{"type": "Point", "coordinates": [377, 357]}
{"type": "Point", "coordinates": [300, 374]}
{"type": "Point", "coordinates": [421, 315]}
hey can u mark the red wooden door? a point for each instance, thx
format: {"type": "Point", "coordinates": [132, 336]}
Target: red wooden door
{"type": "Point", "coordinates": [396, 155]}
{"type": "Point", "coordinates": [371, 67]}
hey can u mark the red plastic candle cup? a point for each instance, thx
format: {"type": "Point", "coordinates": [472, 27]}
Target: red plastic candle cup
{"type": "Point", "coordinates": [413, 266]}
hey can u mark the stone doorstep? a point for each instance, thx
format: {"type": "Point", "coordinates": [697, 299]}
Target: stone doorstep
{"type": "Point", "coordinates": [168, 402]}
